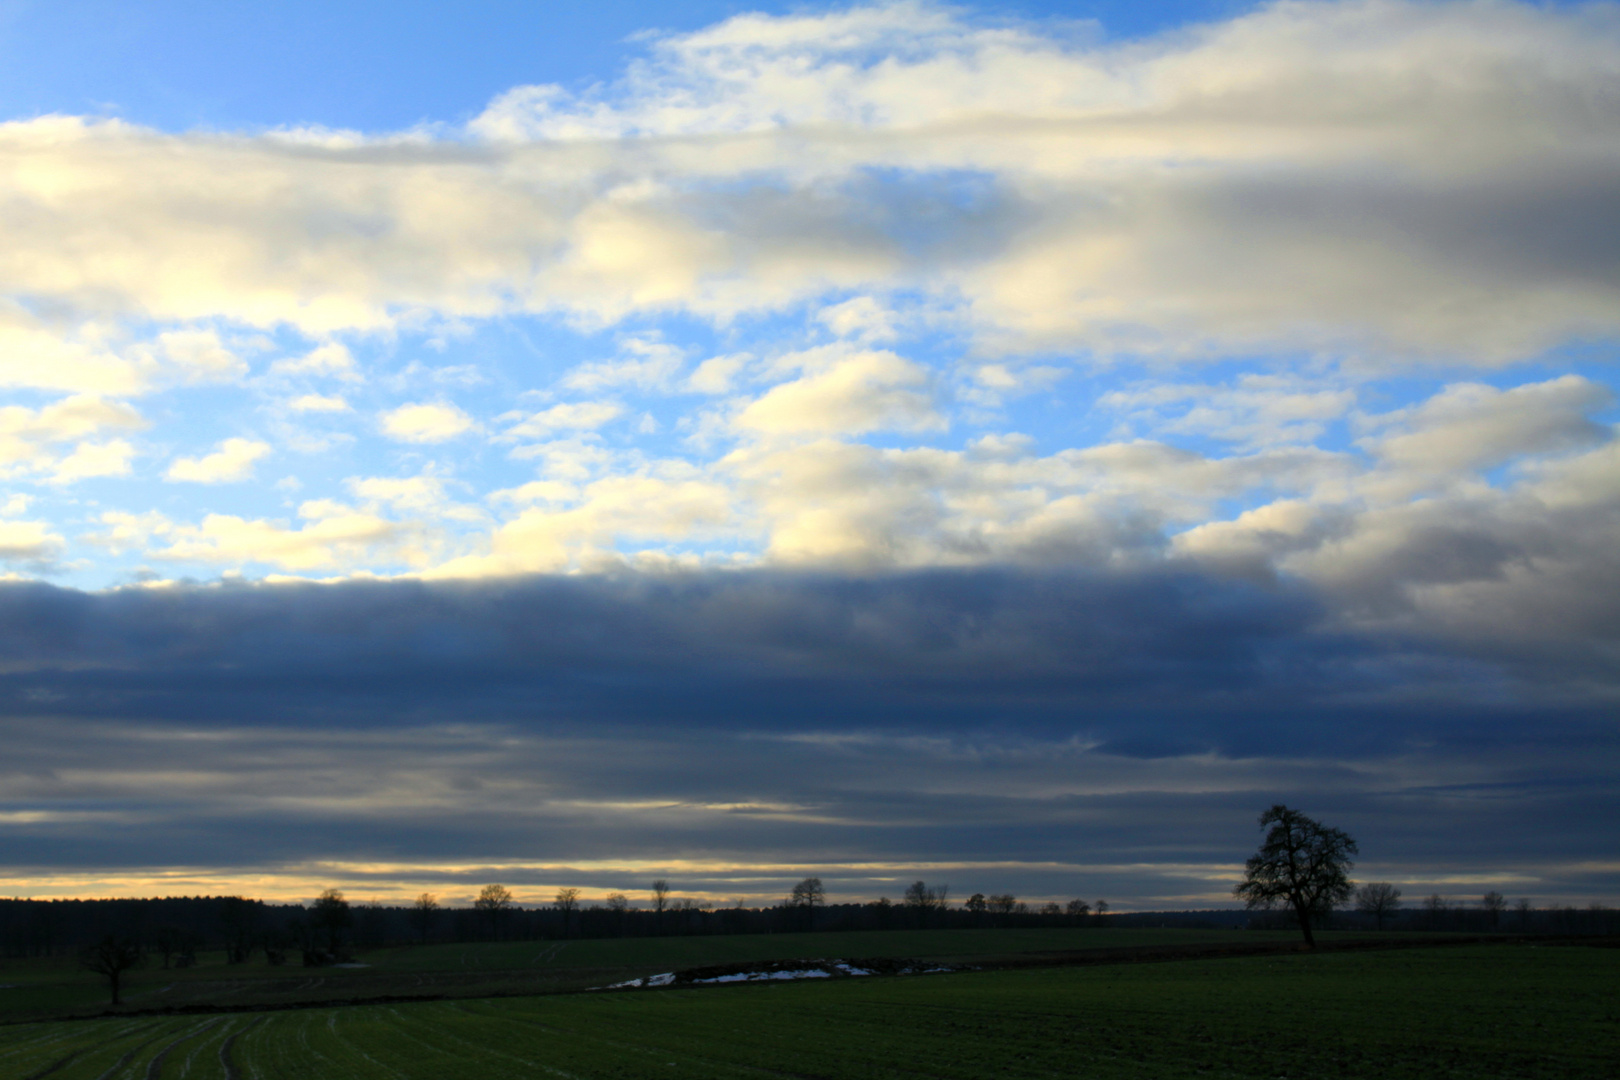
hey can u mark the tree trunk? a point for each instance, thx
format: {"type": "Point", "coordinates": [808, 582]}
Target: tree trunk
{"type": "Point", "coordinates": [1304, 914]}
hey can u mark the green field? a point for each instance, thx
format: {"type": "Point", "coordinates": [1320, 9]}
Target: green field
{"type": "Point", "coordinates": [48, 988]}
{"type": "Point", "coordinates": [1464, 1011]}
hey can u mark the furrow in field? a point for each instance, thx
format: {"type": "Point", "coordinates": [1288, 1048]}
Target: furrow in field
{"type": "Point", "coordinates": [227, 1064]}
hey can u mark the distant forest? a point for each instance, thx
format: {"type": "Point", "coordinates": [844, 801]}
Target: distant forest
{"type": "Point", "coordinates": [173, 930]}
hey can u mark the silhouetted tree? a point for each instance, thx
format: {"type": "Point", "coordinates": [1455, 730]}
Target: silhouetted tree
{"type": "Point", "coordinates": [1003, 904]}
{"type": "Point", "coordinates": [1078, 910]}
{"type": "Point", "coordinates": [493, 905]}
{"type": "Point", "coordinates": [424, 913]}
{"type": "Point", "coordinates": [1301, 863]}
{"type": "Point", "coordinates": [806, 896]}
{"type": "Point", "coordinates": [922, 900]}
{"type": "Point", "coordinates": [1494, 904]}
{"type": "Point", "coordinates": [1522, 909]}
{"type": "Point", "coordinates": [110, 958]}
{"type": "Point", "coordinates": [976, 905]}
{"type": "Point", "coordinates": [331, 913]}
{"type": "Point", "coordinates": [1379, 899]}
{"type": "Point", "coordinates": [660, 891]}
{"type": "Point", "coordinates": [567, 903]}
{"type": "Point", "coordinates": [1100, 910]}
{"type": "Point", "coordinates": [1436, 910]}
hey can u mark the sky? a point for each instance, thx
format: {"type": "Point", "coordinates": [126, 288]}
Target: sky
{"type": "Point", "coordinates": [1009, 446]}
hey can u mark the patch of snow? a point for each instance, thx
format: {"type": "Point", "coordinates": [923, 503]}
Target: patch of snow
{"type": "Point", "coordinates": [851, 969]}
{"type": "Point", "coordinates": [763, 976]}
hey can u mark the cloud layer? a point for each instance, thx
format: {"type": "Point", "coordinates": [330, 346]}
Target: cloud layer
{"type": "Point", "coordinates": [1082, 438]}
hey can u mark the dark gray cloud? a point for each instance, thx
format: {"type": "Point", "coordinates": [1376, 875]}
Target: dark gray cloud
{"type": "Point", "coordinates": [1052, 733]}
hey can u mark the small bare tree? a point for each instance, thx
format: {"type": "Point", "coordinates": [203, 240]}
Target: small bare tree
{"type": "Point", "coordinates": [1435, 910]}
{"type": "Point", "coordinates": [1494, 904]}
{"type": "Point", "coordinates": [806, 896]}
{"type": "Point", "coordinates": [493, 905]}
{"type": "Point", "coordinates": [1078, 909]}
{"type": "Point", "coordinates": [331, 912]}
{"type": "Point", "coordinates": [1379, 899]}
{"type": "Point", "coordinates": [424, 913]}
{"type": "Point", "coordinates": [567, 903]}
{"type": "Point", "coordinates": [110, 958]}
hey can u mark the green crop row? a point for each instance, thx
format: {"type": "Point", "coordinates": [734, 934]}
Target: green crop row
{"type": "Point", "coordinates": [1481, 1011]}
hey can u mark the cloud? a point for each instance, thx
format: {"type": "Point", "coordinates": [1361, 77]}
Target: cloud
{"type": "Point", "coordinates": [569, 416]}
{"type": "Point", "coordinates": [847, 393]}
{"type": "Point", "coordinates": [651, 365]}
{"type": "Point", "coordinates": [426, 423]}
{"type": "Point", "coordinates": [232, 462]}
{"type": "Point", "coordinates": [722, 723]}
{"type": "Point", "coordinates": [638, 508]}
{"type": "Point", "coordinates": [318, 403]}
{"type": "Point", "coordinates": [30, 439]}
{"type": "Point", "coordinates": [28, 542]}
{"type": "Point", "coordinates": [717, 374]}
{"type": "Point", "coordinates": [1295, 178]}
{"type": "Point", "coordinates": [333, 537]}
{"type": "Point", "coordinates": [332, 360]}
{"type": "Point", "coordinates": [1469, 426]}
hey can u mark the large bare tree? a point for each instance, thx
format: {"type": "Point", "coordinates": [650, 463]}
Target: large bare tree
{"type": "Point", "coordinates": [1301, 863]}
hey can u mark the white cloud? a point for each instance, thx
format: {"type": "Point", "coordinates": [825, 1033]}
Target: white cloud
{"type": "Point", "coordinates": [90, 460]}
{"type": "Point", "coordinates": [1299, 177]}
{"type": "Point", "coordinates": [718, 374]}
{"type": "Point", "coordinates": [426, 423]}
{"type": "Point", "coordinates": [1469, 426]}
{"type": "Point", "coordinates": [231, 462]}
{"type": "Point", "coordinates": [650, 365]}
{"type": "Point", "coordinates": [332, 359]}
{"type": "Point", "coordinates": [199, 356]}
{"type": "Point", "coordinates": [852, 393]}
{"type": "Point", "coordinates": [645, 508]}
{"type": "Point", "coordinates": [334, 536]}
{"type": "Point", "coordinates": [423, 495]}
{"type": "Point", "coordinates": [318, 403]}
{"type": "Point", "coordinates": [862, 319]}
{"type": "Point", "coordinates": [569, 416]}
{"type": "Point", "coordinates": [29, 542]}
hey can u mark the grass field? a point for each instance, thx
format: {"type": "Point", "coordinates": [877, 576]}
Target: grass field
{"type": "Point", "coordinates": [44, 988]}
{"type": "Point", "coordinates": [1465, 1011]}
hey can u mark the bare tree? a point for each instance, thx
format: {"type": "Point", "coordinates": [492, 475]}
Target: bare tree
{"type": "Point", "coordinates": [1051, 908]}
{"type": "Point", "coordinates": [976, 905]}
{"type": "Point", "coordinates": [567, 903]}
{"type": "Point", "coordinates": [424, 913]}
{"type": "Point", "coordinates": [1379, 899]}
{"type": "Point", "coordinates": [806, 896]}
{"type": "Point", "coordinates": [1003, 903]}
{"type": "Point", "coordinates": [1078, 909]}
{"type": "Point", "coordinates": [1494, 903]}
{"type": "Point", "coordinates": [1301, 863]}
{"type": "Point", "coordinates": [923, 900]}
{"type": "Point", "coordinates": [1436, 910]}
{"type": "Point", "coordinates": [808, 893]}
{"type": "Point", "coordinates": [331, 913]}
{"type": "Point", "coordinates": [1100, 909]}
{"type": "Point", "coordinates": [1522, 909]}
{"type": "Point", "coordinates": [493, 905]}
{"type": "Point", "coordinates": [110, 958]}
